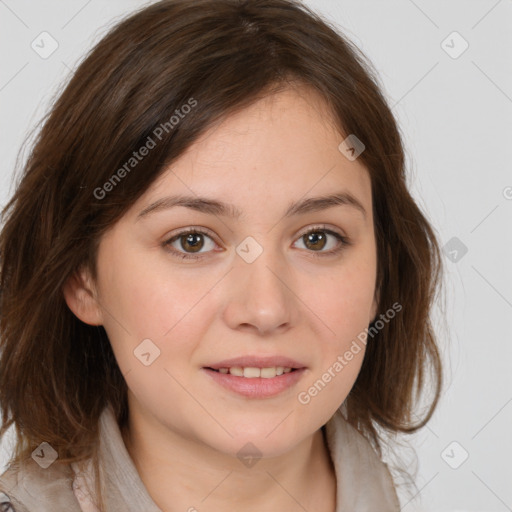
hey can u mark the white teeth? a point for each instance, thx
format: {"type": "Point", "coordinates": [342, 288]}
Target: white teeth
{"type": "Point", "coordinates": [237, 371]}
{"type": "Point", "coordinates": [251, 372]}
{"type": "Point", "coordinates": [268, 373]}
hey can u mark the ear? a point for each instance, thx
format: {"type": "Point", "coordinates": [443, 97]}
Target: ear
{"type": "Point", "coordinates": [80, 296]}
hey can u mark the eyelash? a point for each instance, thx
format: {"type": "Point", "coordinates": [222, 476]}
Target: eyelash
{"type": "Point", "coordinates": [344, 241]}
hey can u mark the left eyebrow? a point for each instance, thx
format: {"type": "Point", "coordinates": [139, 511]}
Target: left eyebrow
{"type": "Point", "coordinates": [215, 207]}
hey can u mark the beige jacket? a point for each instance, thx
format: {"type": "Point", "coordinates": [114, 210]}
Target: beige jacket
{"type": "Point", "coordinates": [364, 483]}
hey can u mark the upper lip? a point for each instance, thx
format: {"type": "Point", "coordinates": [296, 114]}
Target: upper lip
{"type": "Point", "coordinates": [256, 362]}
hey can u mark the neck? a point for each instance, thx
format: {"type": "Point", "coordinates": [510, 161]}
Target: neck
{"type": "Point", "coordinates": [183, 475]}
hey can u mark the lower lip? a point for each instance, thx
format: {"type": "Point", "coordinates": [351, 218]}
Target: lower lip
{"type": "Point", "coordinates": [256, 387]}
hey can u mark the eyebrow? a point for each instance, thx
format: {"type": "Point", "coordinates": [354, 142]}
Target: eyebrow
{"type": "Point", "coordinates": [215, 207]}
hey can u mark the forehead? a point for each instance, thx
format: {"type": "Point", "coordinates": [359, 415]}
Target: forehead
{"type": "Point", "coordinates": [287, 124]}
{"type": "Point", "coordinates": [280, 148]}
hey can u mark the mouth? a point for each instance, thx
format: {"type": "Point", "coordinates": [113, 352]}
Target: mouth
{"type": "Point", "coordinates": [250, 365]}
{"type": "Point", "coordinates": [256, 377]}
{"type": "Point", "coordinates": [253, 372]}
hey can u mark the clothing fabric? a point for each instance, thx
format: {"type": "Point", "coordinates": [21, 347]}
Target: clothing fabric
{"type": "Point", "coordinates": [364, 483]}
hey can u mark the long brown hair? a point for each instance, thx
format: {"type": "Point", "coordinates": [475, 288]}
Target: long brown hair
{"type": "Point", "coordinates": [57, 373]}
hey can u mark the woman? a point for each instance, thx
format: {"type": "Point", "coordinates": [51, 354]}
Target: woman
{"type": "Point", "coordinates": [215, 284]}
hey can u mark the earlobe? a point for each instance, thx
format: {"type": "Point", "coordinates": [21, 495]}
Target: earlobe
{"type": "Point", "coordinates": [80, 296]}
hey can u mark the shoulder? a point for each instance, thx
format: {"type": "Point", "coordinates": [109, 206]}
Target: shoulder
{"type": "Point", "coordinates": [362, 477]}
{"type": "Point", "coordinates": [30, 488]}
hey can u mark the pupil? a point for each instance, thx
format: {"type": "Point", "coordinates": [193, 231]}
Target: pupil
{"type": "Point", "coordinates": [315, 238]}
{"type": "Point", "coordinates": [190, 240]}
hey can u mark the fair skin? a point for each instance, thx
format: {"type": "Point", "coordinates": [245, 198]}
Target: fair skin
{"type": "Point", "coordinates": [185, 430]}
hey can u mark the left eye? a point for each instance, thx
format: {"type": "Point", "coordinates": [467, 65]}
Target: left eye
{"type": "Point", "coordinates": [315, 239]}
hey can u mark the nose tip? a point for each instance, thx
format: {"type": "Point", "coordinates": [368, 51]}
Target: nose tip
{"type": "Point", "coordinates": [261, 300]}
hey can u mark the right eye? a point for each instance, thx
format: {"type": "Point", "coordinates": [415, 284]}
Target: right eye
{"type": "Point", "coordinates": [189, 239]}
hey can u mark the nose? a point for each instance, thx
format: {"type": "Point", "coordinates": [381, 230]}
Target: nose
{"type": "Point", "coordinates": [260, 295]}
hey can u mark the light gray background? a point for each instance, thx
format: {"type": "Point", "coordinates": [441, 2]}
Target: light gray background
{"type": "Point", "coordinates": [456, 116]}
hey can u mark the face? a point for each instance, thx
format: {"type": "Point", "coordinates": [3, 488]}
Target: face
{"type": "Point", "coordinates": [275, 289]}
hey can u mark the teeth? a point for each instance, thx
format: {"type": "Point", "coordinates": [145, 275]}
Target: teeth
{"type": "Point", "coordinates": [250, 372]}
{"type": "Point", "coordinates": [267, 373]}
{"type": "Point", "coordinates": [237, 371]}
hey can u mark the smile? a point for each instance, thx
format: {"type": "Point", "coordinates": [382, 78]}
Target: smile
{"type": "Point", "coordinates": [255, 383]}
{"type": "Point", "coordinates": [251, 372]}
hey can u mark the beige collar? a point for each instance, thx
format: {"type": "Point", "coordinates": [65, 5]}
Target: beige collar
{"type": "Point", "coordinates": [364, 483]}
{"type": "Point", "coordinates": [363, 480]}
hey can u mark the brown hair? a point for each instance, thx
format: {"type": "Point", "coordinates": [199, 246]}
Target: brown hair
{"type": "Point", "coordinates": [57, 373]}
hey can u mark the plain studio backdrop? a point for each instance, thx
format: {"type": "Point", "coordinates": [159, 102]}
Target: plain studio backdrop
{"type": "Point", "coordinates": [446, 70]}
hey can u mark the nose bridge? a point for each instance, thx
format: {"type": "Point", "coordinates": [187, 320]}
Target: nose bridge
{"type": "Point", "coordinates": [261, 296]}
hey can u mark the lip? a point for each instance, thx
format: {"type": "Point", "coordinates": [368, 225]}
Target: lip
{"type": "Point", "coordinates": [257, 387]}
{"type": "Point", "coordinates": [257, 362]}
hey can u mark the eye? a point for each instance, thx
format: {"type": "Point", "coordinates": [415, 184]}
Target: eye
{"type": "Point", "coordinates": [192, 241]}
{"type": "Point", "coordinates": [317, 238]}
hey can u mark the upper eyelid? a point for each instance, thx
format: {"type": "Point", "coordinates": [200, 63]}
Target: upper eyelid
{"type": "Point", "coordinates": [210, 232]}
{"type": "Point", "coordinates": [206, 231]}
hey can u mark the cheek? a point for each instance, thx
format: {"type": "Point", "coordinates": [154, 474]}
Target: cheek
{"type": "Point", "coordinates": [343, 301]}
{"type": "Point", "coordinates": [135, 307]}
{"type": "Point", "coordinates": [142, 300]}
{"type": "Point", "coordinates": [343, 304]}
{"type": "Point", "coordinates": [327, 389]}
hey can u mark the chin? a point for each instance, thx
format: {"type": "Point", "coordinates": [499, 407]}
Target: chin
{"type": "Point", "coordinates": [268, 441]}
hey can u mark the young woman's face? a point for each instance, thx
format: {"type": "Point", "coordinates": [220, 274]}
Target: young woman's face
{"type": "Point", "coordinates": [254, 286]}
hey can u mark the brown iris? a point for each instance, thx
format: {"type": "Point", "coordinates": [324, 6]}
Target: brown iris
{"type": "Point", "coordinates": [315, 237]}
{"type": "Point", "coordinates": [193, 240]}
